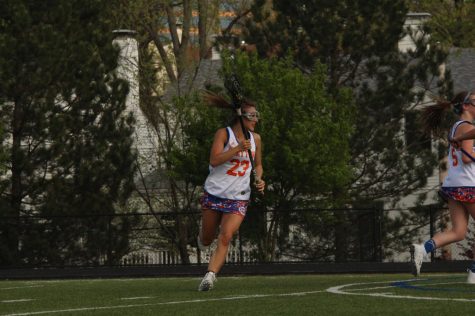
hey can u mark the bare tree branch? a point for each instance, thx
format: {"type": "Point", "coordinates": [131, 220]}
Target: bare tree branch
{"type": "Point", "coordinates": [185, 38]}
{"type": "Point", "coordinates": [163, 54]}
{"type": "Point", "coordinates": [202, 20]}
{"type": "Point", "coordinates": [172, 26]}
{"type": "Point", "coordinates": [238, 17]}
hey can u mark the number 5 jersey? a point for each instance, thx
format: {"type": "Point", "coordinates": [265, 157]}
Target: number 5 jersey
{"type": "Point", "coordinates": [460, 174]}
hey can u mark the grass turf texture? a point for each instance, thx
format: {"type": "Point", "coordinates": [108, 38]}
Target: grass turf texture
{"type": "Point", "coordinates": [378, 294]}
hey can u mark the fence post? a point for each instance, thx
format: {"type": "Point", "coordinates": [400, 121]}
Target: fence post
{"type": "Point", "coordinates": [240, 247]}
{"type": "Point", "coordinates": [377, 235]}
{"type": "Point", "coordinates": [431, 230]}
{"type": "Point", "coordinates": [380, 220]}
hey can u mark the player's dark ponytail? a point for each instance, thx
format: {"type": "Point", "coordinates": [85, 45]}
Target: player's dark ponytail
{"type": "Point", "coordinates": [215, 100]}
{"type": "Point", "coordinates": [432, 116]}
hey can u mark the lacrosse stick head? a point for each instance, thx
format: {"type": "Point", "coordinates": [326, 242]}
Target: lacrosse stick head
{"type": "Point", "coordinates": [233, 87]}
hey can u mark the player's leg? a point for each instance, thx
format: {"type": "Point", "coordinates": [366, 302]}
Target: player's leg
{"type": "Point", "coordinates": [471, 271]}
{"type": "Point", "coordinates": [459, 220]}
{"type": "Point", "coordinates": [230, 223]}
{"type": "Point", "coordinates": [210, 220]}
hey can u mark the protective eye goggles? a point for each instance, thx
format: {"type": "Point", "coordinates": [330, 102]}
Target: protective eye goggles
{"type": "Point", "coordinates": [468, 100]}
{"type": "Point", "coordinates": [251, 116]}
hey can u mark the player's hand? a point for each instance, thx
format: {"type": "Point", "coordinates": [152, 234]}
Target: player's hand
{"type": "Point", "coordinates": [455, 143]}
{"type": "Point", "coordinates": [260, 185]}
{"type": "Point", "coordinates": [245, 145]}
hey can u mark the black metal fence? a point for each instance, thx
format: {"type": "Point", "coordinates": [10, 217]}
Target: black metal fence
{"type": "Point", "coordinates": [168, 238]}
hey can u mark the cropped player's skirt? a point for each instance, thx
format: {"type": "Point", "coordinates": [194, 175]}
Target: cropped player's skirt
{"type": "Point", "coordinates": [462, 194]}
{"type": "Point", "coordinates": [211, 202]}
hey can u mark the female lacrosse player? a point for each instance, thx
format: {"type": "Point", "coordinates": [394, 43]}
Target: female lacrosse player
{"type": "Point", "coordinates": [459, 185]}
{"type": "Point", "coordinates": [227, 188]}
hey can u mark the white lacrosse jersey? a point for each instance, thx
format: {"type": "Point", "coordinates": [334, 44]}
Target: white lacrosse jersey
{"type": "Point", "coordinates": [460, 174]}
{"type": "Point", "coordinates": [231, 179]}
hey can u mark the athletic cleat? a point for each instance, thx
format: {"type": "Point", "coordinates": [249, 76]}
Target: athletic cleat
{"type": "Point", "coordinates": [417, 256]}
{"type": "Point", "coordinates": [207, 282]}
{"type": "Point", "coordinates": [471, 277]}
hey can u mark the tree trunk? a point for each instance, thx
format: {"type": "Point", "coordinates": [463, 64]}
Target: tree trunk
{"type": "Point", "coordinates": [181, 225]}
{"type": "Point", "coordinates": [203, 18]}
{"type": "Point", "coordinates": [341, 235]}
{"type": "Point", "coordinates": [16, 189]}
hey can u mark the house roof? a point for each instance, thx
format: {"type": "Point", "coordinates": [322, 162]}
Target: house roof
{"type": "Point", "coordinates": [461, 63]}
{"type": "Point", "coordinates": [196, 78]}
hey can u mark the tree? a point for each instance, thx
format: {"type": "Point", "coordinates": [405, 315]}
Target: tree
{"type": "Point", "coordinates": [70, 145]}
{"type": "Point", "coordinates": [358, 42]}
{"type": "Point", "coordinates": [3, 161]}
{"type": "Point", "coordinates": [451, 21]}
{"type": "Point", "coordinates": [175, 40]}
{"type": "Point", "coordinates": [305, 141]}
{"type": "Point", "coordinates": [3, 151]}
{"type": "Point", "coordinates": [302, 126]}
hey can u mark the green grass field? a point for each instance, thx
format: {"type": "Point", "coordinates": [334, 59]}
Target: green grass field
{"type": "Point", "coordinates": [376, 294]}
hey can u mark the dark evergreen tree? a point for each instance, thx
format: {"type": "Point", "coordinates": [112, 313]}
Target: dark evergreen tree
{"type": "Point", "coordinates": [3, 151]}
{"type": "Point", "coordinates": [70, 137]}
{"type": "Point", "coordinates": [358, 42]}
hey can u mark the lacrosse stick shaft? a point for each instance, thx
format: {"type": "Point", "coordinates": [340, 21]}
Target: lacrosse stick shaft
{"type": "Point", "coordinates": [249, 152]}
{"type": "Point", "coordinates": [234, 89]}
{"type": "Point", "coordinates": [467, 154]}
{"type": "Point", "coordinates": [246, 136]}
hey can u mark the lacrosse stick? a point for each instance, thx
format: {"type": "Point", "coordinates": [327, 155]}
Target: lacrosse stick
{"type": "Point", "coordinates": [461, 149]}
{"type": "Point", "coordinates": [234, 89]}
{"type": "Point", "coordinates": [467, 154]}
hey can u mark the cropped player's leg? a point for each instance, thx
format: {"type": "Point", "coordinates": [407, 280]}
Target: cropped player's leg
{"type": "Point", "coordinates": [229, 225]}
{"type": "Point", "coordinates": [209, 225]}
{"type": "Point", "coordinates": [459, 220]}
{"type": "Point", "coordinates": [471, 271]}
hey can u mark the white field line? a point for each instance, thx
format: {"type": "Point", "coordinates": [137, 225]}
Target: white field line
{"type": "Point", "coordinates": [21, 300]}
{"type": "Point", "coordinates": [339, 290]}
{"type": "Point", "coordinates": [20, 287]}
{"type": "Point", "coordinates": [334, 290]}
{"type": "Point", "coordinates": [44, 282]}
{"type": "Point", "coordinates": [234, 297]}
{"type": "Point", "coordinates": [371, 288]}
{"type": "Point", "coordinates": [230, 298]}
{"type": "Point", "coordinates": [136, 298]}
